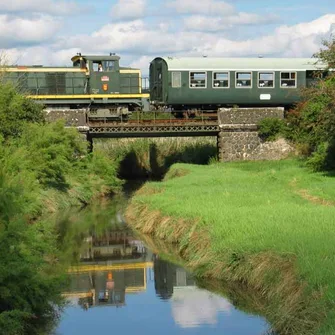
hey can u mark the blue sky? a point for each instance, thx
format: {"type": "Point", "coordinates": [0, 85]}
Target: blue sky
{"type": "Point", "coordinates": [50, 31]}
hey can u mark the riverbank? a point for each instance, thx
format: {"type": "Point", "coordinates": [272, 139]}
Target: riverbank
{"type": "Point", "coordinates": [268, 225]}
{"type": "Point", "coordinates": [44, 170]}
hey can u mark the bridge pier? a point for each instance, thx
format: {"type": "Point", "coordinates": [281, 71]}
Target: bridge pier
{"type": "Point", "coordinates": [238, 137]}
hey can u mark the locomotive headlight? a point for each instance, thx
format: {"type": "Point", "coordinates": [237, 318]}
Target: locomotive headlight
{"type": "Point", "coordinates": [105, 87]}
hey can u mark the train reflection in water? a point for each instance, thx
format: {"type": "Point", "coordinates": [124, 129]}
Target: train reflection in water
{"type": "Point", "coordinates": [114, 264]}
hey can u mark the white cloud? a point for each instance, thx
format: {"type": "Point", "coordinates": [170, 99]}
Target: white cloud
{"type": "Point", "coordinates": [204, 7]}
{"type": "Point", "coordinates": [40, 55]}
{"type": "Point", "coordinates": [55, 7]}
{"type": "Point", "coordinates": [138, 38]}
{"type": "Point", "coordinates": [139, 42]}
{"type": "Point", "coordinates": [192, 307]}
{"type": "Point", "coordinates": [27, 31]}
{"type": "Point", "coordinates": [216, 23]}
{"type": "Point", "coordinates": [301, 40]}
{"type": "Point", "coordinates": [129, 9]}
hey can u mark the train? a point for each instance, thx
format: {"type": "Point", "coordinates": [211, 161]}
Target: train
{"type": "Point", "coordinates": [182, 85]}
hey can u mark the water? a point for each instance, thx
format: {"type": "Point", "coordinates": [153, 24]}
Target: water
{"type": "Point", "coordinates": [117, 284]}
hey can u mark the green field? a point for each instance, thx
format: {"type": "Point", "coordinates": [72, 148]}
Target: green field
{"type": "Point", "coordinates": [259, 217]}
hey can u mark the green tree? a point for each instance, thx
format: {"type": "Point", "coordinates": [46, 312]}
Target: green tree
{"type": "Point", "coordinates": [312, 122]}
{"type": "Point", "coordinates": [16, 110]}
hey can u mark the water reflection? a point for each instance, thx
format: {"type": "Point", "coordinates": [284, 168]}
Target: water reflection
{"type": "Point", "coordinates": [112, 263]}
{"type": "Point", "coordinates": [114, 276]}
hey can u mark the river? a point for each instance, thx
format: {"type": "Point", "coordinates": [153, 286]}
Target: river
{"type": "Point", "coordinates": [117, 284]}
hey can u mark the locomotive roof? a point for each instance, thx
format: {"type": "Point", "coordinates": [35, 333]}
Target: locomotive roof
{"type": "Point", "coordinates": [95, 58]}
{"type": "Point", "coordinates": [208, 63]}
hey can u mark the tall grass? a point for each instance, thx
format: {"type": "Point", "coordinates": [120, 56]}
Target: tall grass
{"type": "Point", "coordinates": [260, 208]}
{"type": "Point", "coordinates": [138, 158]}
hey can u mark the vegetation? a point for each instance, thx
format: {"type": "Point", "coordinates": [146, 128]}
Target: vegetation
{"type": "Point", "coordinates": [43, 168]}
{"type": "Point", "coordinates": [312, 122]}
{"type": "Point", "coordinates": [271, 128]}
{"type": "Point", "coordinates": [16, 111]}
{"type": "Point", "coordinates": [267, 224]}
{"type": "Point", "coordinates": [153, 157]}
{"type": "Point", "coordinates": [30, 279]}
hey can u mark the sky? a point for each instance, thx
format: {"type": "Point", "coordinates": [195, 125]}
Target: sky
{"type": "Point", "coordinates": [50, 32]}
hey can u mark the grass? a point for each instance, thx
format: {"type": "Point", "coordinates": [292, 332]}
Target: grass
{"type": "Point", "coordinates": [153, 157]}
{"type": "Point", "coordinates": [275, 218]}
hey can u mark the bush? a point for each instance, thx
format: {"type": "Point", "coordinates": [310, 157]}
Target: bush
{"type": "Point", "coordinates": [312, 122]}
{"type": "Point", "coordinates": [16, 110]}
{"type": "Point", "coordinates": [50, 151]}
{"type": "Point", "coordinates": [270, 128]}
{"type": "Point", "coordinates": [30, 283]}
{"type": "Point", "coordinates": [39, 163]}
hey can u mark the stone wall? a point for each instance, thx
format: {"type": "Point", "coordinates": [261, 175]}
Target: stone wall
{"type": "Point", "coordinates": [239, 140]}
{"type": "Point", "coordinates": [248, 115]}
{"type": "Point", "coordinates": [72, 117]}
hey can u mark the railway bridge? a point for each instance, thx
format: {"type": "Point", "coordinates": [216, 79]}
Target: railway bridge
{"type": "Point", "coordinates": [236, 130]}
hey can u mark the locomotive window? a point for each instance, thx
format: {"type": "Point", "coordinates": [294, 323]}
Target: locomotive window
{"type": "Point", "coordinates": [95, 67]}
{"type": "Point", "coordinates": [288, 79]}
{"type": "Point", "coordinates": [108, 65]}
{"type": "Point", "coordinates": [176, 79]}
{"type": "Point", "coordinates": [198, 80]}
{"type": "Point", "coordinates": [266, 80]}
{"type": "Point", "coordinates": [243, 80]}
{"type": "Point", "coordinates": [220, 79]}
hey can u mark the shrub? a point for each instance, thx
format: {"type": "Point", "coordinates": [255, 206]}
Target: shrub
{"type": "Point", "coordinates": [312, 122]}
{"type": "Point", "coordinates": [16, 110]}
{"type": "Point", "coordinates": [270, 128]}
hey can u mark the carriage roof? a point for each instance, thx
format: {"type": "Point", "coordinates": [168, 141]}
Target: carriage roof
{"type": "Point", "coordinates": [273, 64]}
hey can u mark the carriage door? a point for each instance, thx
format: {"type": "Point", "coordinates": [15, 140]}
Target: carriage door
{"type": "Point", "coordinates": [156, 81]}
{"type": "Point", "coordinates": [105, 77]}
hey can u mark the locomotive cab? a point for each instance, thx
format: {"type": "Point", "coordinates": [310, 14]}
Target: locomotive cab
{"type": "Point", "coordinates": [102, 72]}
{"type": "Point", "coordinates": [114, 91]}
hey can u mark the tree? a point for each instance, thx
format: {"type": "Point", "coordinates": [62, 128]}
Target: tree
{"type": "Point", "coordinates": [16, 110]}
{"type": "Point", "coordinates": [312, 122]}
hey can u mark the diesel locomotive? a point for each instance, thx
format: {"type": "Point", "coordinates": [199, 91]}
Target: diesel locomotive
{"type": "Point", "coordinates": [106, 90]}
{"type": "Point", "coordinates": [97, 84]}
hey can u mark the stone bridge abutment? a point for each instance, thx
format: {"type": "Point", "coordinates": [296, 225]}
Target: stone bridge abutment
{"type": "Point", "coordinates": [238, 138]}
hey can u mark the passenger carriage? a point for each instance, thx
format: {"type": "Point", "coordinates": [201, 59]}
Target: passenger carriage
{"type": "Point", "coordinates": [207, 83]}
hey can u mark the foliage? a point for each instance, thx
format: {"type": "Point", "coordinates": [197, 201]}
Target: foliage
{"type": "Point", "coordinates": [16, 110]}
{"type": "Point", "coordinates": [270, 128]}
{"type": "Point", "coordinates": [29, 278]}
{"type": "Point", "coordinates": [312, 123]}
{"type": "Point", "coordinates": [327, 53]}
{"type": "Point", "coordinates": [43, 167]}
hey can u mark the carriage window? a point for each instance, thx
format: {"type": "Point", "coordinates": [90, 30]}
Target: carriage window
{"type": "Point", "coordinates": [198, 80]}
{"type": "Point", "coordinates": [176, 79]}
{"type": "Point", "coordinates": [266, 79]}
{"type": "Point", "coordinates": [243, 79]}
{"type": "Point", "coordinates": [288, 79]}
{"type": "Point", "coordinates": [220, 79]}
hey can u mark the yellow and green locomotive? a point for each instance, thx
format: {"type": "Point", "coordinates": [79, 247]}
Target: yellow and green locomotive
{"type": "Point", "coordinates": [97, 84]}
